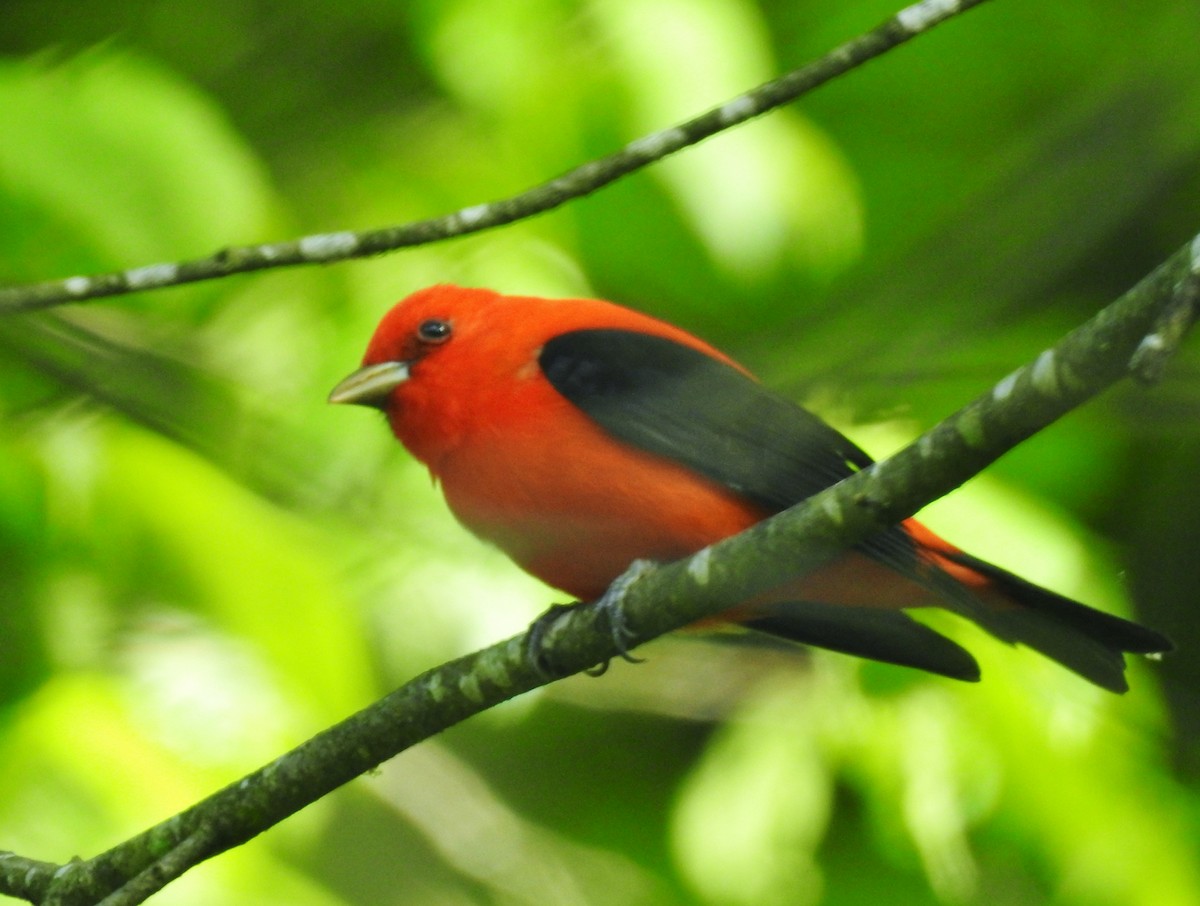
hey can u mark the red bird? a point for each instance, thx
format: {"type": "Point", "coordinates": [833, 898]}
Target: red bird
{"type": "Point", "coordinates": [579, 436]}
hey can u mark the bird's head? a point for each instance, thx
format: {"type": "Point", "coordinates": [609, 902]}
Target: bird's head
{"type": "Point", "coordinates": [418, 330]}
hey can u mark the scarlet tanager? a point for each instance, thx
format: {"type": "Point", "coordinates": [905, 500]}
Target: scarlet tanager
{"type": "Point", "coordinates": [579, 436]}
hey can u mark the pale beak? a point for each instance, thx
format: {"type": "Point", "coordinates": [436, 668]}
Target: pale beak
{"type": "Point", "coordinates": [371, 385]}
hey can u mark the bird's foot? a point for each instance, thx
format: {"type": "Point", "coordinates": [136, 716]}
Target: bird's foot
{"type": "Point", "coordinates": [535, 638]}
{"type": "Point", "coordinates": [609, 604]}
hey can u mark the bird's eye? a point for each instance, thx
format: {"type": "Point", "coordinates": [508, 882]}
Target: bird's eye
{"type": "Point", "coordinates": [434, 331]}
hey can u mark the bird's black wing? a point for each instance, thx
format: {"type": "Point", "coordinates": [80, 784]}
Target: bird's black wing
{"type": "Point", "coordinates": [677, 402]}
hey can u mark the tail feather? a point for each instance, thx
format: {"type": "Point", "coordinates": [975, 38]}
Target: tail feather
{"type": "Point", "coordinates": [1087, 641]}
{"type": "Point", "coordinates": [1124, 635]}
{"type": "Point", "coordinates": [882, 635]}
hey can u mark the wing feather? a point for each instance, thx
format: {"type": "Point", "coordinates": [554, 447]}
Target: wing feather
{"type": "Point", "coordinates": [680, 403]}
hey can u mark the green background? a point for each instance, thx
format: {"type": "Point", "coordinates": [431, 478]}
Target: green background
{"type": "Point", "coordinates": [203, 564]}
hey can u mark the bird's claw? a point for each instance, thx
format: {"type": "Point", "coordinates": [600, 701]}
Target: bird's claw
{"type": "Point", "coordinates": [609, 604]}
{"type": "Point", "coordinates": [535, 638]}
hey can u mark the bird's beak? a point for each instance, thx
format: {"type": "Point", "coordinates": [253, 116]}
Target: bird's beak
{"type": "Point", "coordinates": [371, 385]}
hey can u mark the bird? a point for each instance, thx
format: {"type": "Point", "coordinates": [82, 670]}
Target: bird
{"type": "Point", "coordinates": [580, 436]}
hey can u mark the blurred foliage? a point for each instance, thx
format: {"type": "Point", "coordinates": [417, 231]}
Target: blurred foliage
{"type": "Point", "coordinates": [204, 564]}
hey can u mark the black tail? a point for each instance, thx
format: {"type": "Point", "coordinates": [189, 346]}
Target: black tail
{"type": "Point", "coordinates": [1089, 642]}
{"type": "Point", "coordinates": [890, 636]}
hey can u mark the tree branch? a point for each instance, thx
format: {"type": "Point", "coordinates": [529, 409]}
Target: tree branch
{"type": "Point", "coordinates": [1081, 365]}
{"type": "Point", "coordinates": [328, 247]}
{"type": "Point", "coordinates": [26, 878]}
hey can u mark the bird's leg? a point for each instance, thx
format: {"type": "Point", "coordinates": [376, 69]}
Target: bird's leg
{"type": "Point", "coordinates": [535, 638]}
{"type": "Point", "coordinates": [609, 604]}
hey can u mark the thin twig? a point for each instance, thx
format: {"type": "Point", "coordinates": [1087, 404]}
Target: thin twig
{"type": "Point", "coordinates": [324, 248]}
